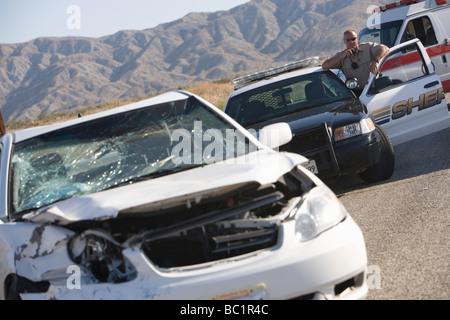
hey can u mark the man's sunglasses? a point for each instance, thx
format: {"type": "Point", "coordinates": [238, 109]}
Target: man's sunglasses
{"type": "Point", "coordinates": [350, 39]}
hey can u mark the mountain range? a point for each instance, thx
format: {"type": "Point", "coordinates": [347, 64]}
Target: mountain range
{"type": "Point", "coordinates": [48, 75]}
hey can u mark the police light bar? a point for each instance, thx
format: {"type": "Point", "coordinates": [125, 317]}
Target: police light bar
{"type": "Point", "coordinates": [395, 5]}
{"type": "Point", "coordinates": [309, 62]}
{"type": "Point", "coordinates": [402, 3]}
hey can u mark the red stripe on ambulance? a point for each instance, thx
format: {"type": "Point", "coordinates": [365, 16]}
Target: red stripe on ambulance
{"type": "Point", "coordinates": [414, 57]}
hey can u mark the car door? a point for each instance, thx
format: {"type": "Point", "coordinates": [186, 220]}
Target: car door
{"type": "Point", "coordinates": [406, 97]}
{"type": "Point", "coordinates": [428, 29]}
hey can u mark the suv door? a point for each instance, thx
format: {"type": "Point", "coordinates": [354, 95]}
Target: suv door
{"type": "Point", "coordinates": [406, 98]}
{"type": "Point", "coordinates": [428, 30]}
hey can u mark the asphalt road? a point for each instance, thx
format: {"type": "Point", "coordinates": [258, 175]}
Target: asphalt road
{"type": "Point", "coordinates": [406, 222]}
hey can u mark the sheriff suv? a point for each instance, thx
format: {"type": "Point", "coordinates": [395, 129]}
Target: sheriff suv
{"type": "Point", "coordinates": [330, 125]}
{"type": "Point", "coordinates": [339, 133]}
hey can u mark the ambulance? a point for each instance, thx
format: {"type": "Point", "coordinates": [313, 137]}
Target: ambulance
{"type": "Point", "coordinates": [401, 21]}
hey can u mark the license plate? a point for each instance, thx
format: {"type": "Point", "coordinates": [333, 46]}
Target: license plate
{"type": "Point", "coordinates": [253, 293]}
{"type": "Point", "coordinates": [311, 165]}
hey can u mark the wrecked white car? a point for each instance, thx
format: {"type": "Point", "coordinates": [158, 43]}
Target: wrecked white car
{"type": "Point", "coordinates": [169, 198]}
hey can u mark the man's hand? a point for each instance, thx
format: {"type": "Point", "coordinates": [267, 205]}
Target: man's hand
{"type": "Point", "coordinates": [373, 67]}
{"type": "Point", "coordinates": [347, 53]}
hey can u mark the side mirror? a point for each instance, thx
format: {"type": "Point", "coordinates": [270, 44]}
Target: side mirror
{"type": "Point", "coordinates": [352, 83]}
{"type": "Point", "coordinates": [380, 84]}
{"type": "Point", "coordinates": [275, 135]}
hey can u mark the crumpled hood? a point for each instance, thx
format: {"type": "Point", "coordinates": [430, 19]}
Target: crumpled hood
{"type": "Point", "coordinates": [262, 167]}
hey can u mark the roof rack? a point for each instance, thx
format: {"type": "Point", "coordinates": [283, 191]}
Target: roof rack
{"type": "Point", "coordinates": [295, 65]}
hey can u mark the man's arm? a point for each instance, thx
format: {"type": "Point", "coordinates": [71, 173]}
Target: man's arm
{"type": "Point", "coordinates": [379, 52]}
{"type": "Point", "coordinates": [332, 62]}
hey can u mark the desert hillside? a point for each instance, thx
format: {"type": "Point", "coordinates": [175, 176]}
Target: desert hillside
{"type": "Point", "coordinates": [51, 75]}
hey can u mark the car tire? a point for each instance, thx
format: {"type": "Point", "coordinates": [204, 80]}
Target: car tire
{"type": "Point", "coordinates": [384, 169]}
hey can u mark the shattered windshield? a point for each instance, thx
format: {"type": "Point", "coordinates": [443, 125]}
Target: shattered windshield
{"type": "Point", "coordinates": [120, 149]}
{"type": "Point", "coordinates": [299, 94]}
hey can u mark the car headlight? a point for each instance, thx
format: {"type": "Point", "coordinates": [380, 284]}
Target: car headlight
{"type": "Point", "coordinates": [101, 256]}
{"type": "Point", "coordinates": [318, 212]}
{"type": "Point", "coordinates": [354, 129]}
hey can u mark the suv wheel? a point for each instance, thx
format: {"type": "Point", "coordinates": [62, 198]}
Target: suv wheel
{"type": "Point", "coordinates": [384, 169]}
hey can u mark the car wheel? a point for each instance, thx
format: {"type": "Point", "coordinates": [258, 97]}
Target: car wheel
{"type": "Point", "coordinates": [384, 169]}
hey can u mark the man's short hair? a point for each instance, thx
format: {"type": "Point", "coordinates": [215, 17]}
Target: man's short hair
{"type": "Point", "coordinates": [350, 31]}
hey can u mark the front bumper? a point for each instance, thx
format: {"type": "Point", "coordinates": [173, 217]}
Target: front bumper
{"type": "Point", "coordinates": [346, 157]}
{"type": "Point", "coordinates": [331, 266]}
{"type": "Point", "coordinates": [358, 153]}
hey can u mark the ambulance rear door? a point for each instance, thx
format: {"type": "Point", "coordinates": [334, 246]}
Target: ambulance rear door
{"type": "Point", "coordinates": [406, 98]}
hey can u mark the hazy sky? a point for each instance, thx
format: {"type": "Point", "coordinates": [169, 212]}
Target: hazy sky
{"type": "Point", "coordinates": [24, 20]}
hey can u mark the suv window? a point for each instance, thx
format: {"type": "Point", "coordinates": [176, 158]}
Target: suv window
{"type": "Point", "coordinates": [292, 95]}
{"type": "Point", "coordinates": [422, 29]}
{"type": "Point", "coordinates": [385, 33]}
{"type": "Point", "coordinates": [397, 70]}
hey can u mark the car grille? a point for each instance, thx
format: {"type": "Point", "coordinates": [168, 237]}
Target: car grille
{"type": "Point", "coordinates": [218, 232]}
{"type": "Point", "coordinates": [243, 240]}
{"type": "Point", "coordinates": [201, 245]}
{"type": "Point", "coordinates": [315, 144]}
{"type": "Point", "coordinates": [308, 142]}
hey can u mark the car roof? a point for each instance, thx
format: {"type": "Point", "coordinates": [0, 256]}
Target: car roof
{"type": "Point", "coordinates": [25, 134]}
{"type": "Point", "coordinates": [277, 78]}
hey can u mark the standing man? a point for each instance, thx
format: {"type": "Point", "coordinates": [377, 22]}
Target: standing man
{"type": "Point", "coordinates": [358, 60]}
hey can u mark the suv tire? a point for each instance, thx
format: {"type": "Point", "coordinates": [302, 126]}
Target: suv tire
{"type": "Point", "coordinates": [384, 169]}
